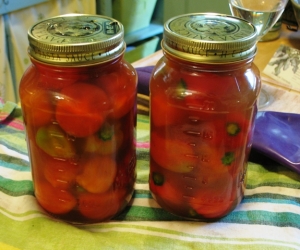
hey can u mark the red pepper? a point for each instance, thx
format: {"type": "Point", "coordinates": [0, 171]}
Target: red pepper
{"type": "Point", "coordinates": [98, 173]}
{"type": "Point", "coordinates": [81, 109]}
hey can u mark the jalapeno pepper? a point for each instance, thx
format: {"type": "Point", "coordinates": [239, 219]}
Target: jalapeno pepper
{"type": "Point", "coordinates": [106, 141]}
{"type": "Point", "coordinates": [166, 186]}
{"type": "Point", "coordinates": [236, 127]}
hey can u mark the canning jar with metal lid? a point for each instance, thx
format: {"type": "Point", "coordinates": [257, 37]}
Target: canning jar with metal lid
{"type": "Point", "coordinates": [78, 100]}
{"type": "Point", "coordinates": [203, 94]}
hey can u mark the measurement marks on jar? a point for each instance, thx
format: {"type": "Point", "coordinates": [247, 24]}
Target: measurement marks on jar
{"type": "Point", "coordinates": [199, 130]}
{"type": "Point", "coordinates": [199, 136]}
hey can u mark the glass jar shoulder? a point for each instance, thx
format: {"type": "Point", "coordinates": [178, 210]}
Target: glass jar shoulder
{"type": "Point", "coordinates": [55, 77]}
{"type": "Point", "coordinates": [112, 85]}
{"type": "Point", "coordinates": [226, 85]}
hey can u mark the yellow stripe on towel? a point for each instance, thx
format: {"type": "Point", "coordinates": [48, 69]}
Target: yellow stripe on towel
{"type": "Point", "coordinates": [3, 246]}
{"type": "Point", "coordinates": [143, 104]}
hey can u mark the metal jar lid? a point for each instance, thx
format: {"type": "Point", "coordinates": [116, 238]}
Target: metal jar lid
{"type": "Point", "coordinates": [76, 39]}
{"type": "Point", "coordinates": [209, 38]}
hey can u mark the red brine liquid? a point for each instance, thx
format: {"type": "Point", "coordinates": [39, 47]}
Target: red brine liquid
{"type": "Point", "coordinates": [80, 124]}
{"type": "Point", "coordinates": [201, 130]}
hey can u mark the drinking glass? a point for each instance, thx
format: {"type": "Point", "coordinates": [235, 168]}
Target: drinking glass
{"type": "Point", "coordinates": [263, 14]}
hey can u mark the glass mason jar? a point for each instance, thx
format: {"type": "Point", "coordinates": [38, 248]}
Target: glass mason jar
{"type": "Point", "coordinates": [203, 94]}
{"type": "Point", "coordinates": [78, 99]}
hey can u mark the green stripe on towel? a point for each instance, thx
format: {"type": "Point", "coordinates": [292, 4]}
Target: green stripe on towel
{"type": "Point", "coordinates": [16, 188]}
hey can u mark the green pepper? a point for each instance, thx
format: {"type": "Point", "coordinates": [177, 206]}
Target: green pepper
{"type": "Point", "coordinates": [106, 141]}
{"type": "Point", "coordinates": [233, 128]}
{"type": "Point", "coordinates": [181, 89]}
{"type": "Point", "coordinates": [228, 158]}
{"type": "Point", "coordinates": [106, 133]}
{"type": "Point", "coordinates": [55, 142]}
{"type": "Point", "coordinates": [158, 179]}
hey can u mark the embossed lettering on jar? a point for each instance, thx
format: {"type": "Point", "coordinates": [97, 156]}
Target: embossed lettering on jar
{"type": "Point", "coordinates": [78, 101]}
{"type": "Point", "coordinates": [203, 95]}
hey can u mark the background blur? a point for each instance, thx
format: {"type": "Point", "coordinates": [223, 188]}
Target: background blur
{"type": "Point", "coordinates": [142, 19]}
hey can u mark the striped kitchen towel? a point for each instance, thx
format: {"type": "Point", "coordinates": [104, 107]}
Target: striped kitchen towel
{"type": "Point", "coordinates": [267, 218]}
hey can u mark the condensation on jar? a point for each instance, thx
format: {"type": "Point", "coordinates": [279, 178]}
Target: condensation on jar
{"type": "Point", "coordinates": [203, 94]}
{"type": "Point", "coordinates": [78, 100]}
